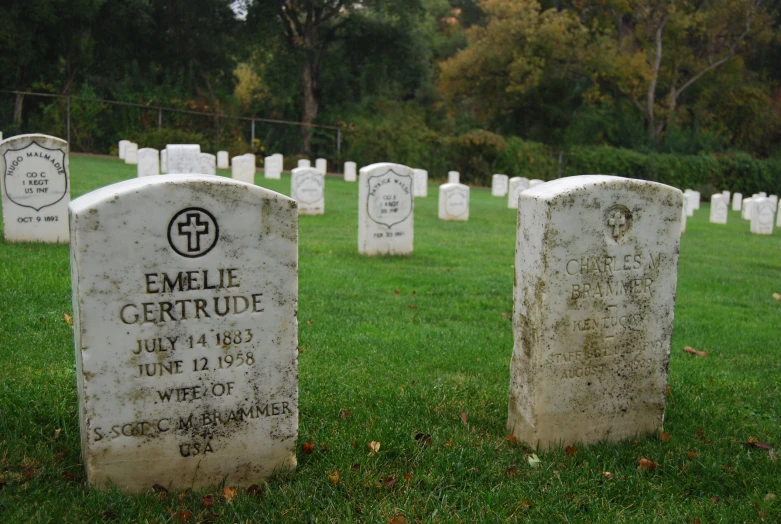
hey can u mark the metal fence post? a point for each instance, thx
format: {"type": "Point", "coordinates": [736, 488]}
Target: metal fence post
{"type": "Point", "coordinates": [560, 158]}
{"type": "Point", "coordinates": [159, 118]}
{"type": "Point", "coordinates": [252, 139]}
{"type": "Point", "coordinates": [339, 142]}
{"type": "Point", "coordinates": [68, 121]}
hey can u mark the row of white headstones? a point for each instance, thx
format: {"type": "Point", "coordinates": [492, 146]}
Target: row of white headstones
{"type": "Point", "coordinates": [759, 209]}
{"type": "Point", "coordinates": [185, 291]}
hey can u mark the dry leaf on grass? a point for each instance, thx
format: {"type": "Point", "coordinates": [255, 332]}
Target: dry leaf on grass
{"type": "Point", "coordinates": [693, 351]}
{"type": "Point", "coordinates": [334, 477]}
{"type": "Point", "coordinates": [511, 472]}
{"type": "Point", "coordinates": [756, 443]}
{"type": "Point", "coordinates": [68, 319]}
{"type": "Point", "coordinates": [664, 437]}
{"type": "Point", "coordinates": [777, 296]}
{"type": "Point", "coordinates": [533, 460]}
{"type": "Point", "coordinates": [389, 482]}
{"type": "Point", "coordinates": [307, 448]}
{"type": "Point", "coordinates": [692, 455]}
{"type": "Point", "coordinates": [208, 500]}
{"type": "Point", "coordinates": [607, 475]}
{"type": "Point", "coordinates": [228, 493]}
{"type": "Point", "coordinates": [647, 465]}
{"type": "Point", "coordinates": [463, 418]}
{"type": "Point", "coordinates": [412, 306]}
{"type": "Point", "coordinates": [571, 451]}
{"type": "Point", "coordinates": [374, 447]}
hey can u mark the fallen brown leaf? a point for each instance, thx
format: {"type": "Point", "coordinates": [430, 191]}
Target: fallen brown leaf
{"type": "Point", "coordinates": [69, 477]}
{"type": "Point", "coordinates": [157, 488]}
{"type": "Point", "coordinates": [511, 472]}
{"type": "Point", "coordinates": [512, 440]}
{"type": "Point", "coordinates": [354, 444]}
{"type": "Point", "coordinates": [389, 482]}
{"type": "Point", "coordinates": [182, 516]}
{"type": "Point", "coordinates": [714, 500]}
{"type": "Point", "coordinates": [228, 493]}
{"type": "Point", "coordinates": [345, 414]}
{"type": "Point", "coordinates": [408, 477]}
{"type": "Point", "coordinates": [207, 500]}
{"type": "Point", "coordinates": [398, 519]}
{"type": "Point", "coordinates": [664, 437]}
{"type": "Point", "coordinates": [647, 465]}
{"type": "Point", "coordinates": [374, 447]}
{"type": "Point", "coordinates": [447, 444]}
{"type": "Point", "coordinates": [307, 448]}
{"type": "Point", "coordinates": [334, 477]}
{"type": "Point", "coordinates": [692, 455]}
{"type": "Point", "coordinates": [256, 490]}
{"type": "Point", "coordinates": [505, 314]}
{"type": "Point", "coordinates": [755, 443]}
{"type": "Point", "coordinates": [356, 467]}
{"type": "Point", "coordinates": [693, 351]}
{"type": "Point", "coordinates": [396, 291]}
{"type": "Point", "coordinates": [571, 451]}
{"type": "Point", "coordinates": [463, 418]}
{"type": "Point", "coordinates": [607, 475]}
{"type": "Point", "coordinates": [68, 319]}
{"type": "Point", "coordinates": [412, 306]}
{"type": "Point", "coordinates": [309, 322]}
{"type": "Point", "coordinates": [777, 296]}
{"type": "Point", "coordinates": [323, 448]}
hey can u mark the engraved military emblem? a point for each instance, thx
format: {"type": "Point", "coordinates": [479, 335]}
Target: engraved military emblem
{"type": "Point", "coordinates": [35, 176]}
{"type": "Point", "coordinates": [765, 214]}
{"type": "Point", "coordinates": [390, 198]}
{"type": "Point", "coordinates": [193, 232]}
{"type": "Point", "coordinates": [309, 189]}
{"type": "Point", "coordinates": [618, 222]}
{"type": "Point", "coordinates": [456, 203]}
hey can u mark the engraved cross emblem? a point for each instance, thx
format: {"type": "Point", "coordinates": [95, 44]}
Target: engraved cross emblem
{"type": "Point", "coordinates": [193, 228]}
{"type": "Point", "coordinates": [616, 221]}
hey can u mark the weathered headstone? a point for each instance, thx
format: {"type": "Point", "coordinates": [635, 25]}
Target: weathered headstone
{"type": "Point", "coordinates": [148, 162]}
{"type": "Point", "coordinates": [453, 177]}
{"type": "Point", "coordinates": [718, 209]}
{"type": "Point", "coordinates": [516, 185]}
{"type": "Point", "coordinates": [36, 189]}
{"type": "Point", "coordinates": [762, 194]}
{"type": "Point", "coordinates": [420, 188]}
{"type": "Point", "coordinates": [535, 182]}
{"type": "Point", "coordinates": [131, 153]}
{"type": "Point", "coordinates": [694, 203]}
{"type": "Point", "coordinates": [762, 216]}
{"type": "Point", "coordinates": [208, 164]}
{"type": "Point", "coordinates": [163, 161]}
{"type": "Point", "coordinates": [595, 278]}
{"type": "Point", "coordinates": [747, 208]}
{"type": "Point", "coordinates": [774, 200]}
{"type": "Point", "coordinates": [122, 145]}
{"type": "Point", "coordinates": [726, 196]}
{"type": "Point", "coordinates": [322, 165]}
{"type": "Point", "coordinates": [303, 162]}
{"type": "Point", "coordinates": [683, 214]}
{"type": "Point", "coordinates": [272, 167]}
{"type": "Point", "coordinates": [184, 158]}
{"type": "Point", "coordinates": [223, 162]}
{"type": "Point", "coordinates": [350, 171]}
{"type": "Point", "coordinates": [185, 352]}
{"type": "Point", "coordinates": [737, 201]}
{"type": "Point", "coordinates": [243, 169]}
{"type": "Point", "coordinates": [499, 185]}
{"type": "Point", "coordinates": [307, 188]}
{"type": "Point", "coordinates": [454, 202]}
{"type": "Point", "coordinates": [386, 207]}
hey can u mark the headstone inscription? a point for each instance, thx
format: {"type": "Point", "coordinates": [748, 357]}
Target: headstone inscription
{"type": "Point", "coordinates": [453, 177]}
{"type": "Point", "coordinates": [184, 158]}
{"type": "Point", "coordinates": [499, 185]}
{"type": "Point", "coordinates": [516, 185]}
{"type": "Point", "coordinates": [223, 162]}
{"type": "Point", "coordinates": [762, 216]}
{"type": "Point", "coordinates": [737, 201]}
{"type": "Point", "coordinates": [307, 188]}
{"type": "Point", "coordinates": [386, 206]}
{"type": "Point", "coordinates": [454, 202]}
{"type": "Point", "coordinates": [163, 161]}
{"type": "Point", "coordinates": [420, 188]}
{"type": "Point", "coordinates": [303, 162]}
{"type": "Point", "coordinates": [122, 145]}
{"type": "Point", "coordinates": [350, 171]}
{"type": "Point", "coordinates": [718, 209]}
{"type": "Point", "coordinates": [36, 188]}
{"type": "Point", "coordinates": [148, 162]}
{"type": "Point", "coordinates": [185, 353]}
{"type": "Point", "coordinates": [243, 169]}
{"type": "Point", "coordinates": [208, 164]}
{"type": "Point", "coordinates": [592, 350]}
{"type": "Point", "coordinates": [322, 165]}
{"type": "Point", "coordinates": [131, 153]}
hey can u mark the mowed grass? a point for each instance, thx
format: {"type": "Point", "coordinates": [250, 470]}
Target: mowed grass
{"type": "Point", "coordinates": [397, 347]}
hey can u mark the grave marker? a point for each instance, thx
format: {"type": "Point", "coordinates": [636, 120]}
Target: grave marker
{"type": "Point", "coordinates": [454, 202]}
{"type": "Point", "coordinates": [386, 206]}
{"type": "Point", "coordinates": [131, 153]}
{"type": "Point", "coordinates": [243, 169]}
{"type": "Point", "coordinates": [516, 185]}
{"type": "Point", "coordinates": [350, 169]}
{"type": "Point", "coordinates": [718, 209]}
{"type": "Point", "coordinates": [499, 185]}
{"type": "Point", "coordinates": [303, 162]}
{"type": "Point", "coordinates": [762, 216]}
{"type": "Point", "coordinates": [148, 162]}
{"type": "Point", "coordinates": [184, 158]}
{"type": "Point", "coordinates": [453, 177]}
{"type": "Point", "coordinates": [122, 145]}
{"type": "Point", "coordinates": [535, 182]}
{"type": "Point", "coordinates": [420, 187]}
{"type": "Point", "coordinates": [163, 161]}
{"type": "Point", "coordinates": [737, 201]}
{"type": "Point", "coordinates": [322, 165]}
{"type": "Point", "coordinates": [223, 162]}
{"type": "Point", "coordinates": [208, 163]}
{"type": "Point", "coordinates": [307, 188]}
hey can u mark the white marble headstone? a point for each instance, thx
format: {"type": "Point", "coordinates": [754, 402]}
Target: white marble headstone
{"type": "Point", "coordinates": [307, 187]}
{"type": "Point", "coordinates": [208, 164]}
{"type": "Point", "coordinates": [516, 185]}
{"type": "Point", "coordinates": [243, 169]}
{"type": "Point", "coordinates": [747, 208]}
{"type": "Point", "coordinates": [726, 196]}
{"type": "Point", "coordinates": [350, 171]}
{"type": "Point", "coordinates": [454, 202]}
{"type": "Point", "coordinates": [272, 167]}
{"type": "Point", "coordinates": [453, 177]}
{"type": "Point", "coordinates": [223, 162]}
{"type": "Point", "coordinates": [535, 182]}
{"type": "Point", "coordinates": [36, 189]}
{"type": "Point", "coordinates": [762, 216]}
{"type": "Point", "coordinates": [131, 153]}
{"type": "Point", "coordinates": [737, 201]}
{"type": "Point", "coordinates": [186, 358]}
{"type": "Point", "coordinates": [683, 214]}
{"type": "Point", "coordinates": [122, 145]}
{"type": "Point", "coordinates": [322, 165]}
{"type": "Point", "coordinates": [499, 185]}
{"type": "Point", "coordinates": [163, 161]}
{"type": "Point", "coordinates": [774, 200]}
{"type": "Point", "coordinates": [303, 162]}
{"type": "Point", "coordinates": [184, 158]}
{"type": "Point", "coordinates": [386, 206]}
{"type": "Point", "coordinates": [595, 277]}
{"type": "Point", "coordinates": [148, 162]}
{"type": "Point", "coordinates": [718, 209]}
{"type": "Point", "coordinates": [420, 188]}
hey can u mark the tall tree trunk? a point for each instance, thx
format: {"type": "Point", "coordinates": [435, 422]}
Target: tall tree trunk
{"type": "Point", "coordinates": [309, 84]}
{"type": "Point", "coordinates": [651, 96]}
{"type": "Point", "coordinates": [18, 105]}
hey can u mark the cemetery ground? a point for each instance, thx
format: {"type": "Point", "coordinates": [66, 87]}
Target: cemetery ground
{"type": "Point", "coordinates": [404, 372]}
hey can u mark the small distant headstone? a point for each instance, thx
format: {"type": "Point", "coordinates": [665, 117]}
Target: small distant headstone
{"type": "Point", "coordinates": [453, 177]}
{"type": "Point", "coordinates": [36, 189]}
{"type": "Point", "coordinates": [718, 209]}
{"type": "Point", "coordinates": [499, 185]}
{"type": "Point", "coordinates": [695, 201]}
{"type": "Point", "coordinates": [185, 352]}
{"type": "Point", "coordinates": [420, 188]}
{"type": "Point", "coordinates": [762, 194]}
{"type": "Point", "coordinates": [208, 164]}
{"type": "Point", "coordinates": [122, 145]}
{"type": "Point", "coordinates": [223, 161]}
{"type": "Point", "coordinates": [303, 162]}
{"type": "Point", "coordinates": [322, 165]}
{"type": "Point", "coordinates": [386, 207]}
{"type": "Point", "coordinates": [737, 201]}
{"type": "Point", "coordinates": [516, 185]}
{"type": "Point", "coordinates": [350, 170]}
{"type": "Point", "coordinates": [747, 208]}
{"type": "Point", "coordinates": [683, 214]}
{"type": "Point", "coordinates": [131, 153]}
{"type": "Point", "coordinates": [726, 196]}
{"type": "Point", "coordinates": [774, 200]}
{"type": "Point", "coordinates": [184, 158]}
{"type": "Point", "coordinates": [243, 169]}
{"type": "Point", "coordinates": [148, 162]}
{"type": "Point", "coordinates": [535, 182]}
{"type": "Point", "coordinates": [454, 202]}
{"type": "Point", "coordinates": [307, 187]}
{"type": "Point", "coordinates": [595, 278]}
{"type": "Point", "coordinates": [272, 167]}
{"type": "Point", "coordinates": [163, 161]}
{"type": "Point", "coordinates": [762, 216]}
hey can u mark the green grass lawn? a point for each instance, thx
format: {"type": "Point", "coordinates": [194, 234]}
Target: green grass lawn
{"type": "Point", "coordinates": [392, 348]}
